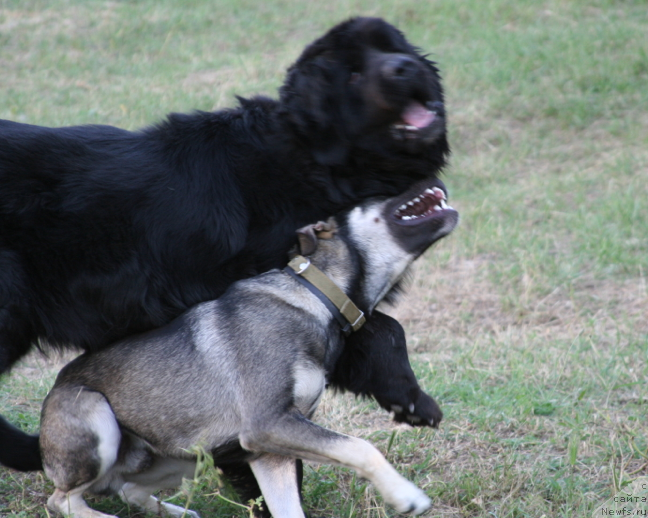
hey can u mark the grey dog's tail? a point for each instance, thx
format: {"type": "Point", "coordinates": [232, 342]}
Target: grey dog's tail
{"type": "Point", "coordinates": [19, 450]}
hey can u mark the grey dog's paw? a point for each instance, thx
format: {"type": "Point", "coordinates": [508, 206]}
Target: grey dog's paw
{"type": "Point", "coordinates": [410, 499]}
{"type": "Point", "coordinates": [423, 412]}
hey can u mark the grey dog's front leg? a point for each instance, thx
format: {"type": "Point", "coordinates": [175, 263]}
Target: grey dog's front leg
{"type": "Point", "coordinates": [292, 435]}
{"type": "Point", "coordinates": [277, 478]}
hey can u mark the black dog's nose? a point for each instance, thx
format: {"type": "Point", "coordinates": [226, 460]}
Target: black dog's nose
{"type": "Point", "coordinates": [400, 67]}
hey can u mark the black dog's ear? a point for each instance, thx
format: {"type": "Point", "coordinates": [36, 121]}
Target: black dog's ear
{"type": "Point", "coordinates": [331, 150]}
{"type": "Point", "coordinates": [316, 100]}
{"type": "Point", "coordinates": [308, 235]}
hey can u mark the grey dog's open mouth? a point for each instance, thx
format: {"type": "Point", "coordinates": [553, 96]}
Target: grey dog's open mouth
{"type": "Point", "coordinates": [428, 204]}
{"type": "Point", "coordinates": [415, 118]}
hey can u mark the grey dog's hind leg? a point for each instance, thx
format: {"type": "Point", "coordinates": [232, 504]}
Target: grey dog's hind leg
{"type": "Point", "coordinates": [160, 473]}
{"type": "Point", "coordinates": [80, 440]}
{"type": "Point", "coordinates": [143, 498]}
{"type": "Point", "coordinates": [277, 477]}
{"type": "Point", "coordinates": [293, 435]}
{"type": "Point", "coordinates": [72, 504]}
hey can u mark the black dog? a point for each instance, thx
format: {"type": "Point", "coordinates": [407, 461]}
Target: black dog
{"type": "Point", "coordinates": [105, 232]}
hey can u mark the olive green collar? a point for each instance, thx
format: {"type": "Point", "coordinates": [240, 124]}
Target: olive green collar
{"type": "Point", "coordinates": [343, 309]}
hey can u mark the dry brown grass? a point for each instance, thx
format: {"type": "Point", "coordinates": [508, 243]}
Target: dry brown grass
{"type": "Point", "coordinates": [458, 302]}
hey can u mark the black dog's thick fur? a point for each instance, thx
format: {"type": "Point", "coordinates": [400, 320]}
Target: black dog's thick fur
{"type": "Point", "coordinates": [106, 232]}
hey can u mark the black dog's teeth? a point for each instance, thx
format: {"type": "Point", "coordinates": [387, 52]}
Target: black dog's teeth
{"type": "Point", "coordinates": [405, 127]}
{"type": "Point", "coordinates": [404, 131]}
{"type": "Point", "coordinates": [425, 204]}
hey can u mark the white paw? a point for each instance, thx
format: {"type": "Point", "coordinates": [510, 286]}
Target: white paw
{"type": "Point", "coordinates": [410, 499]}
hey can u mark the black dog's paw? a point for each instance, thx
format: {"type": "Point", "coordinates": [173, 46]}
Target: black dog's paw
{"type": "Point", "coordinates": [423, 412]}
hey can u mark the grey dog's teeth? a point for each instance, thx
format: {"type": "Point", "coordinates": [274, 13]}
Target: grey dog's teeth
{"type": "Point", "coordinates": [440, 191]}
{"type": "Point", "coordinates": [441, 205]}
{"type": "Point", "coordinates": [435, 191]}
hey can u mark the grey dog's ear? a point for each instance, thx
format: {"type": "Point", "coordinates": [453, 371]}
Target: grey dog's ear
{"type": "Point", "coordinates": [309, 235]}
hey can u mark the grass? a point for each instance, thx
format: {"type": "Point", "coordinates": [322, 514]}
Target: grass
{"type": "Point", "coordinates": [529, 324]}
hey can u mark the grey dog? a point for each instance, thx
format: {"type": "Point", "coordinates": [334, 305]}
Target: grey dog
{"type": "Point", "coordinates": [239, 376]}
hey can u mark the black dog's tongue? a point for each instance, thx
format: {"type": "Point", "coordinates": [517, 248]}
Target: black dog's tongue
{"type": "Point", "coordinates": [418, 115]}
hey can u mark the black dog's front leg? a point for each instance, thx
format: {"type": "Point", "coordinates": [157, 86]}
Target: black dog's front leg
{"type": "Point", "coordinates": [375, 363]}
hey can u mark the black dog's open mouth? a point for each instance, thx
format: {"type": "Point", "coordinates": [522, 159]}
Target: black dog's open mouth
{"type": "Point", "coordinates": [417, 120]}
{"type": "Point", "coordinates": [429, 204]}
